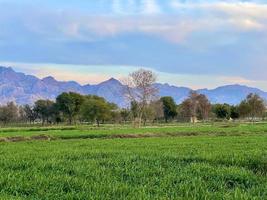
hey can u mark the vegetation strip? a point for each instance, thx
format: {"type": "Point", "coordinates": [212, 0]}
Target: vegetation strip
{"type": "Point", "coordinates": [107, 136]}
{"type": "Point", "coordinates": [21, 138]}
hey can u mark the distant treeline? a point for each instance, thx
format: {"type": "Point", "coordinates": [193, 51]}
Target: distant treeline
{"type": "Point", "coordinates": [73, 108]}
{"type": "Point", "coordinates": [144, 106]}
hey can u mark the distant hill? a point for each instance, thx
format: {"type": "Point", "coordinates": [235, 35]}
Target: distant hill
{"type": "Point", "coordinates": [26, 89]}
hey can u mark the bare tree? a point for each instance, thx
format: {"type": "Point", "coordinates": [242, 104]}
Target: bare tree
{"type": "Point", "coordinates": [158, 110]}
{"type": "Point", "coordinates": [193, 99]}
{"type": "Point", "coordinates": [9, 113]}
{"type": "Point", "coordinates": [196, 105]}
{"type": "Point", "coordinates": [153, 112]}
{"type": "Point", "coordinates": [185, 110]}
{"type": "Point", "coordinates": [204, 107]}
{"type": "Point", "coordinates": [141, 90]}
{"type": "Point", "coordinates": [252, 107]}
{"type": "Point", "coordinates": [29, 113]}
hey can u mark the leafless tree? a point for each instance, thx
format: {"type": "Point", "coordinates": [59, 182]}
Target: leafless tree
{"type": "Point", "coordinates": [193, 99]}
{"type": "Point", "coordinates": [140, 89]}
{"type": "Point", "coordinates": [153, 112]}
{"type": "Point", "coordinates": [252, 107]}
{"type": "Point", "coordinates": [196, 105]}
{"type": "Point", "coordinates": [9, 113]}
{"type": "Point", "coordinates": [204, 107]}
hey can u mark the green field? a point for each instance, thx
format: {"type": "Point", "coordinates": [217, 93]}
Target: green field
{"type": "Point", "coordinates": [109, 131]}
{"type": "Point", "coordinates": [205, 161]}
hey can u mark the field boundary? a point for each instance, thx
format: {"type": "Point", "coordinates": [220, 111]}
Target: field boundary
{"type": "Point", "coordinates": [43, 137]}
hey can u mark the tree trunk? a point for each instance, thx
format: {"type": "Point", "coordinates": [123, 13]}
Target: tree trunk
{"type": "Point", "coordinates": [70, 119]}
{"type": "Point", "coordinates": [144, 123]}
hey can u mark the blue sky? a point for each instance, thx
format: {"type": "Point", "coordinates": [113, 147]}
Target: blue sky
{"type": "Point", "coordinates": [200, 43]}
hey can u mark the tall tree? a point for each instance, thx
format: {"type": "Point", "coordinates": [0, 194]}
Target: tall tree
{"type": "Point", "coordinates": [69, 104]}
{"type": "Point", "coordinates": [234, 112]}
{"type": "Point", "coordinates": [134, 109]}
{"type": "Point", "coordinates": [222, 111]}
{"type": "Point", "coordinates": [185, 110]}
{"type": "Point", "coordinates": [193, 99]}
{"type": "Point", "coordinates": [44, 109]}
{"type": "Point", "coordinates": [125, 115]}
{"type": "Point", "coordinates": [157, 107]}
{"type": "Point", "coordinates": [204, 107]}
{"type": "Point", "coordinates": [96, 109]}
{"type": "Point", "coordinates": [169, 108]}
{"type": "Point", "coordinates": [29, 113]}
{"type": "Point", "coordinates": [152, 112]}
{"type": "Point", "coordinates": [140, 88]}
{"type": "Point", "coordinates": [195, 106]}
{"type": "Point", "coordinates": [253, 106]}
{"type": "Point", "coordinates": [8, 113]}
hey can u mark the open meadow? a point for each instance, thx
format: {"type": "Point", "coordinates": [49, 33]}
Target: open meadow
{"type": "Point", "coordinates": [202, 161]}
{"type": "Point", "coordinates": [133, 100]}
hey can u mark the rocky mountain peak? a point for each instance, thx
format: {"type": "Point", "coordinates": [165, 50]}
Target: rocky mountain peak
{"type": "Point", "coordinates": [25, 89]}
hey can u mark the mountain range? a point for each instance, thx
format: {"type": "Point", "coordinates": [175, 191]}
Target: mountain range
{"type": "Point", "coordinates": [26, 89]}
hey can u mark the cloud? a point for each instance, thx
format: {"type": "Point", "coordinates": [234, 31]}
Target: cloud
{"type": "Point", "coordinates": [133, 7]}
{"type": "Point", "coordinates": [188, 18]}
{"type": "Point", "coordinates": [150, 7]}
{"type": "Point", "coordinates": [222, 38]}
{"type": "Point", "coordinates": [248, 15]}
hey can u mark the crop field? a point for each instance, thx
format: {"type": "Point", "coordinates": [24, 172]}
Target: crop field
{"type": "Point", "coordinates": [113, 131]}
{"type": "Point", "coordinates": [203, 161]}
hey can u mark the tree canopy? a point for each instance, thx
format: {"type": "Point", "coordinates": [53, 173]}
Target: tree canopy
{"type": "Point", "coordinates": [169, 108]}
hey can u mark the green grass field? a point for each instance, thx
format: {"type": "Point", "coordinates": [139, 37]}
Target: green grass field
{"type": "Point", "coordinates": [204, 161]}
{"type": "Point", "coordinates": [108, 131]}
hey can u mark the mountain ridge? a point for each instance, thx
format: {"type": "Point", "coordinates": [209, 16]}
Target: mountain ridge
{"type": "Point", "coordinates": [26, 89]}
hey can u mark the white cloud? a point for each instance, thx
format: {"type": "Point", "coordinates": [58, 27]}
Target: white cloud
{"type": "Point", "coordinates": [234, 34]}
{"type": "Point", "coordinates": [247, 15]}
{"type": "Point", "coordinates": [150, 7]}
{"type": "Point", "coordinates": [133, 7]}
{"type": "Point", "coordinates": [188, 18]}
{"type": "Point", "coordinates": [176, 27]}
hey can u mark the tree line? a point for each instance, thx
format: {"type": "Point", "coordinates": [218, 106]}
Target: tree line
{"type": "Point", "coordinates": [144, 106]}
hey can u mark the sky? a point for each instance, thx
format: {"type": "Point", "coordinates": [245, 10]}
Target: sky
{"type": "Point", "coordinates": [194, 43]}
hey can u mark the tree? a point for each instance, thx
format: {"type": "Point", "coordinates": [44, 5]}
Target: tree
{"type": "Point", "coordinates": [169, 108]}
{"type": "Point", "coordinates": [56, 115]}
{"type": "Point", "coordinates": [204, 107]}
{"type": "Point", "coordinates": [96, 109]}
{"type": "Point", "coordinates": [253, 106]}
{"type": "Point", "coordinates": [195, 106]}
{"type": "Point", "coordinates": [222, 111]}
{"type": "Point", "coordinates": [8, 113]}
{"type": "Point", "coordinates": [44, 110]}
{"type": "Point", "coordinates": [234, 112]}
{"type": "Point", "coordinates": [134, 109]}
{"type": "Point", "coordinates": [244, 109]}
{"type": "Point", "coordinates": [153, 111]}
{"type": "Point", "coordinates": [69, 104]}
{"type": "Point", "coordinates": [140, 88]}
{"type": "Point", "coordinates": [157, 107]}
{"type": "Point", "coordinates": [29, 113]}
{"type": "Point", "coordinates": [185, 110]}
{"type": "Point", "coordinates": [125, 115]}
{"type": "Point", "coordinates": [115, 114]}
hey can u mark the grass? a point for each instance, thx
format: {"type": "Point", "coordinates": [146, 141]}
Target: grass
{"type": "Point", "coordinates": [83, 132]}
{"type": "Point", "coordinates": [232, 166]}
